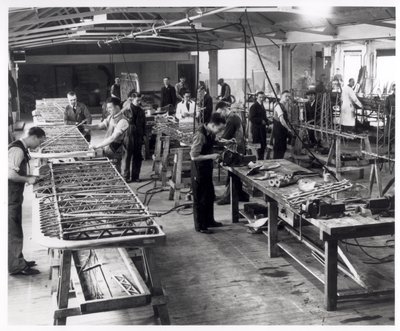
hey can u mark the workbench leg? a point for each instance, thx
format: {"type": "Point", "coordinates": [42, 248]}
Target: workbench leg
{"type": "Point", "coordinates": [331, 271]}
{"type": "Point", "coordinates": [159, 300]}
{"type": "Point", "coordinates": [234, 199]}
{"type": "Point", "coordinates": [273, 249]}
{"type": "Point", "coordinates": [63, 288]}
{"type": "Point", "coordinates": [338, 161]}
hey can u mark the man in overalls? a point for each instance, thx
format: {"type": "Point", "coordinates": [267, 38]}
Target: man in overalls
{"type": "Point", "coordinates": [116, 125]}
{"type": "Point", "coordinates": [18, 176]}
{"type": "Point", "coordinates": [281, 130]}
{"type": "Point", "coordinates": [134, 139]}
{"type": "Point", "coordinates": [203, 157]}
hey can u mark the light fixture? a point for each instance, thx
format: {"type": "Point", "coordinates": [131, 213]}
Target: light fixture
{"type": "Point", "coordinates": [86, 20]}
{"type": "Point", "coordinates": [316, 10]}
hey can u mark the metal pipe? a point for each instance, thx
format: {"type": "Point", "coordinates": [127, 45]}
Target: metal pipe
{"type": "Point", "coordinates": [181, 21]}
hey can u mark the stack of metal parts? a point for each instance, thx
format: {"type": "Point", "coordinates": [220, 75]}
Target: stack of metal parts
{"type": "Point", "coordinates": [50, 111]}
{"type": "Point", "coordinates": [295, 200]}
{"type": "Point", "coordinates": [182, 132]}
{"type": "Point", "coordinates": [62, 139]}
{"type": "Point", "coordinates": [89, 200]}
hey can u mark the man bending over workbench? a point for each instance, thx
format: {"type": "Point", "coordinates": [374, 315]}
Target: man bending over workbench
{"type": "Point", "coordinates": [18, 176]}
{"type": "Point", "coordinates": [202, 157]}
{"type": "Point", "coordinates": [116, 125]}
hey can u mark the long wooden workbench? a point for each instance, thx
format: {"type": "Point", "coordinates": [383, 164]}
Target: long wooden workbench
{"type": "Point", "coordinates": [331, 231]}
{"type": "Point", "coordinates": [87, 215]}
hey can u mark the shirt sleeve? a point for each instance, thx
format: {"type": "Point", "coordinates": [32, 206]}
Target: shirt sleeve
{"type": "Point", "coordinates": [198, 142]}
{"type": "Point", "coordinates": [278, 111]}
{"type": "Point", "coordinates": [120, 128]}
{"type": "Point", "coordinates": [15, 158]}
{"type": "Point", "coordinates": [87, 114]}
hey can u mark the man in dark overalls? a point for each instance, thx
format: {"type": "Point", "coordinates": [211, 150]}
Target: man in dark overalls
{"type": "Point", "coordinates": [281, 130]}
{"type": "Point", "coordinates": [259, 122]}
{"type": "Point", "coordinates": [18, 169]}
{"type": "Point", "coordinates": [134, 139]}
{"type": "Point", "coordinates": [202, 173]}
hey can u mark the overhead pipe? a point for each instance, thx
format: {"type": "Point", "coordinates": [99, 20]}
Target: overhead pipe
{"type": "Point", "coordinates": [161, 27]}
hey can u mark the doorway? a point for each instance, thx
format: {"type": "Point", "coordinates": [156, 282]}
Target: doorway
{"type": "Point", "coordinates": [188, 70]}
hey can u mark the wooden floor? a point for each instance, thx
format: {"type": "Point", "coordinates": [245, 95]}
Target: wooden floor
{"type": "Point", "coordinates": [220, 279]}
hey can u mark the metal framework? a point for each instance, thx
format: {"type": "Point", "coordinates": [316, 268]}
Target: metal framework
{"type": "Point", "coordinates": [183, 132]}
{"type": "Point", "coordinates": [50, 111]}
{"type": "Point", "coordinates": [87, 200]}
{"type": "Point", "coordinates": [63, 141]}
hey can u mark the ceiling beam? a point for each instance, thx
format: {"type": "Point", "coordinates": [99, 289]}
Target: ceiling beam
{"type": "Point", "coordinates": [76, 15]}
{"type": "Point", "coordinates": [80, 24]}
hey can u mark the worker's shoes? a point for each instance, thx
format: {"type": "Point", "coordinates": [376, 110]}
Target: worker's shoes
{"type": "Point", "coordinates": [27, 271]}
{"type": "Point", "coordinates": [30, 264]}
{"type": "Point", "coordinates": [215, 224]}
{"type": "Point", "coordinates": [206, 231]}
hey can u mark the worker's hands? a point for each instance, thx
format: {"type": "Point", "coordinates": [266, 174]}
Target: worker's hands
{"type": "Point", "coordinates": [215, 156]}
{"type": "Point", "coordinates": [31, 180]}
{"type": "Point", "coordinates": [263, 122]}
{"type": "Point", "coordinates": [93, 146]}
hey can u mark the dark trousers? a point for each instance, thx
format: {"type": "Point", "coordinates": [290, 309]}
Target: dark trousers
{"type": "Point", "coordinates": [203, 202]}
{"type": "Point", "coordinates": [115, 156]}
{"type": "Point", "coordinates": [132, 158]}
{"type": "Point", "coordinates": [16, 261]}
{"type": "Point", "coordinates": [88, 137]}
{"type": "Point", "coordinates": [311, 136]}
{"type": "Point", "coordinates": [260, 137]}
{"type": "Point", "coordinates": [280, 140]}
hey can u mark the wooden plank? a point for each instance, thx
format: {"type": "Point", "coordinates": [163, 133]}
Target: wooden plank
{"type": "Point", "coordinates": [63, 291]}
{"type": "Point", "coordinates": [137, 279]}
{"type": "Point", "coordinates": [102, 305]}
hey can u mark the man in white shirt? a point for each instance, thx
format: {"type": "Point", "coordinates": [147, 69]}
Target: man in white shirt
{"type": "Point", "coordinates": [348, 111]}
{"type": "Point", "coordinates": [185, 109]}
{"type": "Point", "coordinates": [116, 125]}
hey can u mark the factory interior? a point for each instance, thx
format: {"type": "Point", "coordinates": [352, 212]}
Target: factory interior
{"type": "Point", "coordinates": [224, 165]}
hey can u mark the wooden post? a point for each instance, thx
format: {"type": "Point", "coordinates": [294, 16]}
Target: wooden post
{"type": "Point", "coordinates": [213, 72]}
{"type": "Point", "coordinates": [234, 199]}
{"type": "Point", "coordinates": [164, 160]}
{"type": "Point", "coordinates": [273, 249]}
{"type": "Point", "coordinates": [159, 300]}
{"type": "Point", "coordinates": [63, 289]}
{"type": "Point", "coordinates": [331, 270]}
{"type": "Point", "coordinates": [286, 67]}
{"type": "Point", "coordinates": [337, 158]}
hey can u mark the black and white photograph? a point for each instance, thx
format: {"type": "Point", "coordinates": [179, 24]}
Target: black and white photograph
{"type": "Point", "coordinates": [199, 163]}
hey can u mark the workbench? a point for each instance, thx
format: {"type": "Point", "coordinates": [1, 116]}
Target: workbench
{"type": "Point", "coordinates": [331, 231]}
{"type": "Point", "coordinates": [74, 215]}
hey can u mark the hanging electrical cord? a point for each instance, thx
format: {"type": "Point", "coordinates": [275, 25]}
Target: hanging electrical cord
{"type": "Point", "coordinates": [281, 105]}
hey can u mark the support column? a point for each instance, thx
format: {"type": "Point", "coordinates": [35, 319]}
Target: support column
{"type": "Point", "coordinates": [213, 70]}
{"type": "Point", "coordinates": [286, 67]}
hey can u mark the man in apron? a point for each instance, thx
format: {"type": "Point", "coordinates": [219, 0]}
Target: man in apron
{"type": "Point", "coordinates": [203, 157]}
{"type": "Point", "coordinates": [116, 125]}
{"type": "Point", "coordinates": [280, 129]}
{"type": "Point", "coordinates": [18, 176]}
{"type": "Point", "coordinates": [348, 111]}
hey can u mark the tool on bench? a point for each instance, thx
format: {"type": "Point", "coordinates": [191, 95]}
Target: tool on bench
{"type": "Point", "coordinates": [231, 158]}
{"type": "Point", "coordinates": [290, 179]}
{"type": "Point", "coordinates": [255, 168]}
{"type": "Point", "coordinates": [323, 208]}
